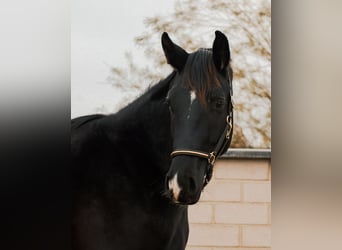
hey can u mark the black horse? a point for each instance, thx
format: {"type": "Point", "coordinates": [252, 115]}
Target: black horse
{"type": "Point", "coordinates": [135, 172]}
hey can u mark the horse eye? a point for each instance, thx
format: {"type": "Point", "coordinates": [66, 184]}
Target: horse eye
{"type": "Point", "coordinates": [219, 104]}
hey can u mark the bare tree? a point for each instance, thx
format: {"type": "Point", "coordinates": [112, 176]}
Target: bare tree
{"type": "Point", "coordinates": [192, 25]}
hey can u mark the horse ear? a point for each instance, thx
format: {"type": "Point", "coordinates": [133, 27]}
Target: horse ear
{"type": "Point", "coordinates": [175, 55]}
{"type": "Point", "coordinates": [221, 52]}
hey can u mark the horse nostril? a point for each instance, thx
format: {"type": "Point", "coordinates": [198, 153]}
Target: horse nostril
{"type": "Point", "coordinates": [192, 184]}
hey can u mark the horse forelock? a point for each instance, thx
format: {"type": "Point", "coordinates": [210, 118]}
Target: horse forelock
{"type": "Point", "coordinates": [200, 74]}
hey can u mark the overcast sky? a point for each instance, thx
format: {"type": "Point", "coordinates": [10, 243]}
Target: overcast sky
{"type": "Point", "coordinates": [101, 32]}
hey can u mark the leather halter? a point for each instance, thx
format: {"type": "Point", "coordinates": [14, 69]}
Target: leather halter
{"type": "Point", "coordinates": [223, 142]}
{"type": "Point", "coordinates": [219, 146]}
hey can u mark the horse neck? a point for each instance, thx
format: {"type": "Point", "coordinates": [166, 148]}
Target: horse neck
{"type": "Point", "coordinates": [151, 125]}
{"type": "Point", "coordinates": [143, 128]}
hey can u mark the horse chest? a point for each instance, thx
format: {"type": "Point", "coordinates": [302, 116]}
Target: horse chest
{"type": "Point", "coordinates": [152, 225]}
{"type": "Point", "coordinates": [140, 221]}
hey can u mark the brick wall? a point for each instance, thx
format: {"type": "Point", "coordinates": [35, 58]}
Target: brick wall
{"type": "Point", "coordinates": [235, 208]}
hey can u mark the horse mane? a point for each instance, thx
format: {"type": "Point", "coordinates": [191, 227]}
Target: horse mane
{"type": "Point", "coordinates": [201, 74]}
{"type": "Point", "coordinates": [160, 89]}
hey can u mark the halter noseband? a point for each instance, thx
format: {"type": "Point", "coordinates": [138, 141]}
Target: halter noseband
{"type": "Point", "coordinates": [224, 140]}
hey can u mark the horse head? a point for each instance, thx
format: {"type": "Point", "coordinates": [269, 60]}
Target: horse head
{"type": "Point", "coordinates": [200, 107]}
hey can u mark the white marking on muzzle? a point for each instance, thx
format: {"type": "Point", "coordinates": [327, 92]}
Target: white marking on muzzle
{"type": "Point", "coordinates": [174, 186]}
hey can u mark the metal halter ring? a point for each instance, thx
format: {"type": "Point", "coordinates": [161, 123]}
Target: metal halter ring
{"type": "Point", "coordinates": [212, 158]}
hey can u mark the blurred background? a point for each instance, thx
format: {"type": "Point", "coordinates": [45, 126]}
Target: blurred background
{"type": "Point", "coordinates": [35, 107]}
{"type": "Point", "coordinates": [116, 54]}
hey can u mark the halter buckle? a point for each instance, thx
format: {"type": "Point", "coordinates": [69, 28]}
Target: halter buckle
{"type": "Point", "coordinates": [229, 122]}
{"type": "Point", "coordinates": [212, 158]}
